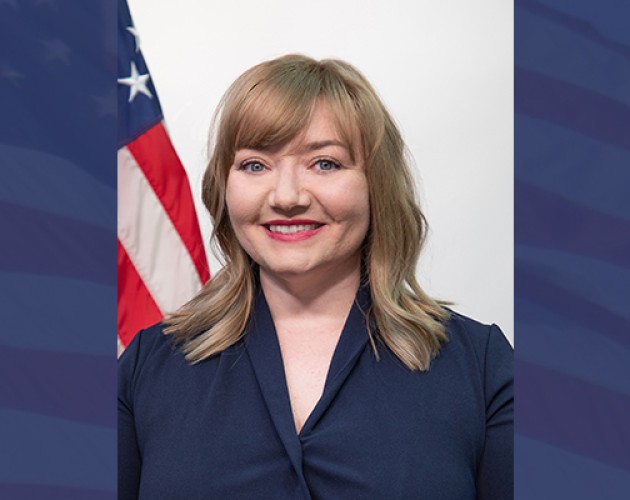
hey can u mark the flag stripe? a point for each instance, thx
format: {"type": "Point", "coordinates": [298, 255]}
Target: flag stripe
{"type": "Point", "coordinates": [566, 223]}
{"type": "Point", "coordinates": [142, 311]}
{"type": "Point", "coordinates": [51, 492]}
{"type": "Point", "coordinates": [162, 259]}
{"type": "Point", "coordinates": [576, 24]}
{"type": "Point", "coordinates": [150, 239]}
{"type": "Point", "coordinates": [39, 242]}
{"type": "Point", "coordinates": [549, 401]}
{"type": "Point", "coordinates": [539, 288]}
{"type": "Point", "coordinates": [70, 377]}
{"type": "Point", "coordinates": [157, 158]}
{"type": "Point", "coordinates": [597, 116]}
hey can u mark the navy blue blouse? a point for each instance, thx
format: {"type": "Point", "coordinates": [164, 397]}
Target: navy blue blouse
{"type": "Point", "coordinates": [223, 428]}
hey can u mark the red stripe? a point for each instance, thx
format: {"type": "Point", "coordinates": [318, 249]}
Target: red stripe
{"type": "Point", "coordinates": [136, 307]}
{"type": "Point", "coordinates": [160, 164]}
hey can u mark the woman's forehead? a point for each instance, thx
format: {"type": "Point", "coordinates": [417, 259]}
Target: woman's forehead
{"type": "Point", "coordinates": [320, 127]}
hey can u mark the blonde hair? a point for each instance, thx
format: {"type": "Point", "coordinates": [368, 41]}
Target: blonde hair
{"type": "Point", "coordinates": [267, 106]}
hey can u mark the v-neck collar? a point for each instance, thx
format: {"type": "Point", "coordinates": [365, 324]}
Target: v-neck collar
{"type": "Point", "coordinates": [264, 353]}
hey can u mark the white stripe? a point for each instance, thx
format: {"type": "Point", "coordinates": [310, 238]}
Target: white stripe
{"type": "Point", "coordinates": [150, 239]}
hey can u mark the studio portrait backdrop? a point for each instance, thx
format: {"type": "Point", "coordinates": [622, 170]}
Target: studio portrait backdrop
{"type": "Point", "coordinates": [445, 72]}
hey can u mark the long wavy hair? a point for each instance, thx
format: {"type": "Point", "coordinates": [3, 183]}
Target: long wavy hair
{"type": "Point", "coordinates": [267, 106]}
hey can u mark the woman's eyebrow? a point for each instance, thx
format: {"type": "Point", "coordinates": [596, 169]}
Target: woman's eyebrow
{"type": "Point", "coordinates": [313, 146]}
{"type": "Point", "coordinates": [301, 149]}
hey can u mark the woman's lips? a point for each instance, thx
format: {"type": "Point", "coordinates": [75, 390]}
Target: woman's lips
{"type": "Point", "coordinates": [292, 230]}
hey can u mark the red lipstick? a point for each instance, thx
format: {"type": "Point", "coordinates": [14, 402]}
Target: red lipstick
{"type": "Point", "coordinates": [292, 222]}
{"type": "Point", "coordinates": [289, 230]}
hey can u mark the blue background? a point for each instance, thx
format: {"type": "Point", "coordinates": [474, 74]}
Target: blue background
{"type": "Point", "coordinates": [57, 249]}
{"type": "Point", "coordinates": [572, 249]}
{"type": "Point", "coordinates": [58, 140]}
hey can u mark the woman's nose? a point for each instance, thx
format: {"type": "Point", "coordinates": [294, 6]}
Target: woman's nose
{"type": "Point", "coordinates": [288, 192]}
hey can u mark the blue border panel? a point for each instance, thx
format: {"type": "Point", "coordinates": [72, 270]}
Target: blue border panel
{"type": "Point", "coordinates": [58, 136]}
{"type": "Point", "coordinates": [572, 249]}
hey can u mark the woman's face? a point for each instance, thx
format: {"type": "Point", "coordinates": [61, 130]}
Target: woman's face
{"type": "Point", "coordinates": [303, 208]}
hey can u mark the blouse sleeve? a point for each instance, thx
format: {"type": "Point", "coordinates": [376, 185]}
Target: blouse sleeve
{"type": "Point", "coordinates": [129, 461]}
{"type": "Point", "coordinates": [495, 480]}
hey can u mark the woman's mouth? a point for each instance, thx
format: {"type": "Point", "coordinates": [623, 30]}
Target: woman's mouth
{"type": "Point", "coordinates": [291, 229]}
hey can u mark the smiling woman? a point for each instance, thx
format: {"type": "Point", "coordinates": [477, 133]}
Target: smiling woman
{"type": "Point", "coordinates": [313, 365]}
{"type": "Point", "coordinates": [305, 212]}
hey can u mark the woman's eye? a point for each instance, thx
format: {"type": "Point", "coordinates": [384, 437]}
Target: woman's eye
{"type": "Point", "coordinates": [327, 165]}
{"type": "Point", "coordinates": [253, 166]}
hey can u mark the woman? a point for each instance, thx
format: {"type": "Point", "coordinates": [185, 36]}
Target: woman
{"type": "Point", "coordinates": [313, 365]}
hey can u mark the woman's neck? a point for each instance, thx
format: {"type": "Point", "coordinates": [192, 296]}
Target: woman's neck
{"type": "Point", "coordinates": [315, 296]}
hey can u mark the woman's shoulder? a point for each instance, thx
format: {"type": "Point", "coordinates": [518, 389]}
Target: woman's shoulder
{"type": "Point", "coordinates": [461, 328]}
{"type": "Point", "coordinates": [150, 348]}
{"type": "Point", "coordinates": [486, 342]}
{"type": "Point", "coordinates": [150, 341]}
{"type": "Point", "coordinates": [483, 352]}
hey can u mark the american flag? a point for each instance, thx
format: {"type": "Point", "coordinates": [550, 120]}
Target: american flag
{"type": "Point", "coordinates": [161, 258]}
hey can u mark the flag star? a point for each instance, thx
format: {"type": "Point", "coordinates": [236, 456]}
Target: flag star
{"type": "Point", "coordinates": [134, 32]}
{"type": "Point", "coordinates": [136, 83]}
{"type": "Point", "coordinates": [56, 50]}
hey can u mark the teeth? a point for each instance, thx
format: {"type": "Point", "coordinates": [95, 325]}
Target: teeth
{"type": "Point", "coordinates": [292, 229]}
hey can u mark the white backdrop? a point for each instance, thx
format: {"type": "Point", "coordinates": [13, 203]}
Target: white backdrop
{"type": "Point", "coordinates": [445, 71]}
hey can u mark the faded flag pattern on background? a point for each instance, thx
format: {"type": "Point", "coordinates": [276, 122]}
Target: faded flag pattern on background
{"type": "Point", "coordinates": [57, 249]}
{"type": "Point", "coordinates": [572, 249]}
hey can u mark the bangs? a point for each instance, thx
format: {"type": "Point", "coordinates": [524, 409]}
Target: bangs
{"type": "Point", "coordinates": [274, 111]}
{"type": "Point", "coordinates": [347, 124]}
{"type": "Point", "coordinates": [277, 107]}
